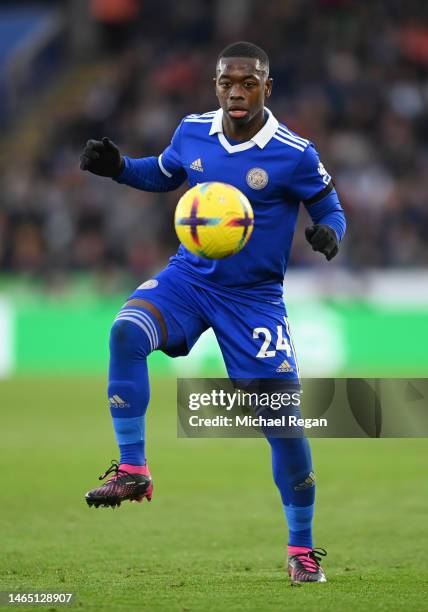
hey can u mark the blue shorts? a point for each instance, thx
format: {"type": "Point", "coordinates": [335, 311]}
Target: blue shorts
{"type": "Point", "coordinates": [253, 334]}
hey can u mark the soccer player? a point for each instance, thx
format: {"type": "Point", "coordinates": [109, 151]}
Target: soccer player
{"type": "Point", "coordinates": [241, 297]}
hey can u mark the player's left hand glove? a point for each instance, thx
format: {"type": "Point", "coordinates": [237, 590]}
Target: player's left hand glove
{"type": "Point", "coordinates": [323, 239]}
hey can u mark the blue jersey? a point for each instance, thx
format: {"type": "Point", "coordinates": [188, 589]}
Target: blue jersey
{"type": "Point", "coordinates": [276, 170]}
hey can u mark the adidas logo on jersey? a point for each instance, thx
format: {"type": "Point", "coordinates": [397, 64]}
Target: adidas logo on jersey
{"type": "Point", "coordinates": [197, 165]}
{"type": "Point", "coordinates": [284, 367]}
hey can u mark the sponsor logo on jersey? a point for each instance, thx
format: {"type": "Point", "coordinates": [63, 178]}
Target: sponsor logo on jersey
{"type": "Point", "coordinates": [326, 178]}
{"type": "Point", "coordinates": [150, 284]}
{"type": "Point", "coordinates": [307, 483]}
{"type": "Point", "coordinates": [117, 402]}
{"type": "Point", "coordinates": [197, 165]}
{"type": "Point", "coordinates": [257, 178]}
{"type": "Point", "coordinates": [284, 367]}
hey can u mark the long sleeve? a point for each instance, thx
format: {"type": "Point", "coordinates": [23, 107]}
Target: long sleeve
{"type": "Point", "coordinates": [145, 173]}
{"type": "Point", "coordinates": [312, 185]}
{"type": "Point", "coordinates": [163, 173]}
{"type": "Point", "coordinates": [328, 211]}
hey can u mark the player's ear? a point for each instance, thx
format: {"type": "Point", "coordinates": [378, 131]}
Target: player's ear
{"type": "Point", "coordinates": [215, 86]}
{"type": "Point", "coordinates": [268, 87]}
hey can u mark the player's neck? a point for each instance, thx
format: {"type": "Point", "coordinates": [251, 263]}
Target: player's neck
{"type": "Point", "coordinates": [242, 133]}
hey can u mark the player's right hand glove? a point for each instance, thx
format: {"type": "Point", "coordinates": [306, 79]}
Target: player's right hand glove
{"type": "Point", "coordinates": [102, 157]}
{"type": "Point", "coordinates": [323, 238]}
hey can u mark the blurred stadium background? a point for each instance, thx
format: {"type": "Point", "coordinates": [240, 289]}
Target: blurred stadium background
{"type": "Point", "coordinates": [351, 76]}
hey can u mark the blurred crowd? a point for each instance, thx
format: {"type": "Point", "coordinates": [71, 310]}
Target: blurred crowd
{"type": "Point", "coordinates": [350, 76]}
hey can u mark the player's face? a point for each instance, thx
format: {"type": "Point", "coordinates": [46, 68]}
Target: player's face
{"type": "Point", "coordinates": [241, 87]}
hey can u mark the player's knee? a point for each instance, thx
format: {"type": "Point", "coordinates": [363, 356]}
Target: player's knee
{"type": "Point", "coordinates": [123, 340]}
{"type": "Point", "coordinates": [133, 335]}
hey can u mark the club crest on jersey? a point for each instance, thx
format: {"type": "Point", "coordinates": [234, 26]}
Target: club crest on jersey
{"type": "Point", "coordinates": [150, 284]}
{"type": "Point", "coordinates": [257, 178]}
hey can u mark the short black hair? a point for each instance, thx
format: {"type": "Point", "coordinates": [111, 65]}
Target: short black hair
{"type": "Point", "coordinates": [245, 49]}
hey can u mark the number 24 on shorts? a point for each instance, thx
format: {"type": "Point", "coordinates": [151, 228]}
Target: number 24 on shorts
{"type": "Point", "coordinates": [282, 343]}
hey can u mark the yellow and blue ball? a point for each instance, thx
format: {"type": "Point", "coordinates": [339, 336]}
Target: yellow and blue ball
{"type": "Point", "coordinates": [214, 220]}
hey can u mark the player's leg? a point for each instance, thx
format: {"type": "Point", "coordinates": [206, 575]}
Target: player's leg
{"type": "Point", "coordinates": [161, 320]}
{"type": "Point", "coordinates": [136, 331]}
{"type": "Point", "coordinates": [256, 344]}
{"type": "Point", "coordinates": [293, 475]}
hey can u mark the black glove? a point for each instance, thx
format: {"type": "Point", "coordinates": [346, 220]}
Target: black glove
{"type": "Point", "coordinates": [102, 157]}
{"type": "Point", "coordinates": [323, 238]}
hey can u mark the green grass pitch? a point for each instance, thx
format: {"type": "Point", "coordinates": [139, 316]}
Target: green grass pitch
{"type": "Point", "coordinates": [213, 537]}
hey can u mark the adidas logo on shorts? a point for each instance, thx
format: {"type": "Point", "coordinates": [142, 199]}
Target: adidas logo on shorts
{"type": "Point", "coordinates": [284, 367]}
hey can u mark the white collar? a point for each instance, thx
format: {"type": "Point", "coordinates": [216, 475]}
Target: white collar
{"type": "Point", "coordinates": [260, 139]}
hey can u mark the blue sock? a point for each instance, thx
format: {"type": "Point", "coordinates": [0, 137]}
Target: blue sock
{"type": "Point", "coordinates": [135, 333]}
{"type": "Point", "coordinates": [293, 475]}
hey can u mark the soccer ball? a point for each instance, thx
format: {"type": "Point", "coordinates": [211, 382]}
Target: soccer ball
{"type": "Point", "coordinates": [214, 220]}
